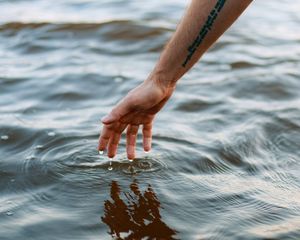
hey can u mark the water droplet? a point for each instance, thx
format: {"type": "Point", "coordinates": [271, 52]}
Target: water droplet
{"type": "Point", "coordinates": [110, 167]}
{"type": "Point", "coordinates": [101, 152]}
{"type": "Point", "coordinates": [9, 213]}
{"type": "Point", "coordinates": [51, 134]}
{"type": "Point", "coordinates": [4, 137]}
{"type": "Point", "coordinates": [39, 147]}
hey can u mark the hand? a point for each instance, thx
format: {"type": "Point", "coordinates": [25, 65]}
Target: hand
{"type": "Point", "coordinates": [139, 107]}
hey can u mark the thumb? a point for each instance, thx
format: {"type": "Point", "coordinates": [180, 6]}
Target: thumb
{"type": "Point", "coordinates": [120, 110]}
{"type": "Point", "coordinates": [109, 119]}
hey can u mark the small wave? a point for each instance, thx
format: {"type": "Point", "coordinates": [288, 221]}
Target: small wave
{"type": "Point", "coordinates": [264, 90]}
{"type": "Point", "coordinates": [111, 30]}
{"type": "Point", "coordinates": [194, 105]}
{"type": "Point", "coordinates": [113, 37]}
{"type": "Point", "coordinates": [242, 64]}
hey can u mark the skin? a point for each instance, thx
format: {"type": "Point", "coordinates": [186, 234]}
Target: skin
{"type": "Point", "coordinates": [140, 106]}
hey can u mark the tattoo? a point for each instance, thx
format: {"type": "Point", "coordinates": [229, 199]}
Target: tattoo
{"type": "Point", "coordinates": [204, 30]}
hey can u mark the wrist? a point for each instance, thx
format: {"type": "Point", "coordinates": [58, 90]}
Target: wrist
{"type": "Point", "coordinates": [165, 87]}
{"type": "Point", "coordinates": [162, 79]}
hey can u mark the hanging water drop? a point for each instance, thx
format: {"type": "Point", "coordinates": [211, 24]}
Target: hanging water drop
{"type": "Point", "coordinates": [110, 167]}
{"type": "Point", "coordinates": [4, 137]}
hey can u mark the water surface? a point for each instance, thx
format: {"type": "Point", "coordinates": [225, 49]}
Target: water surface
{"type": "Point", "coordinates": [225, 162]}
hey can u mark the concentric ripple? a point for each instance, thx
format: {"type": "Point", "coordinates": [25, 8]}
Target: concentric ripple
{"type": "Point", "coordinates": [148, 164]}
{"type": "Point", "coordinates": [226, 149]}
{"type": "Point", "coordinates": [67, 153]}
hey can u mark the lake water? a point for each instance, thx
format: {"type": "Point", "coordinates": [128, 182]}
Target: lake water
{"type": "Point", "coordinates": [226, 157]}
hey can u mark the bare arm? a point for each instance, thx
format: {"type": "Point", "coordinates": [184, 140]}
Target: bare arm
{"type": "Point", "coordinates": [203, 23]}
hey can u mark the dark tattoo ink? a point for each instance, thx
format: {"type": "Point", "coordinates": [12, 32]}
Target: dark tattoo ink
{"type": "Point", "coordinates": [204, 30]}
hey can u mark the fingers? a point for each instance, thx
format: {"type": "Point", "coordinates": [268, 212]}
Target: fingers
{"type": "Point", "coordinates": [113, 145]}
{"type": "Point", "coordinates": [131, 135]}
{"type": "Point", "coordinates": [110, 137]}
{"type": "Point", "coordinates": [114, 140]}
{"type": "Point", "coordinates": [105, 136]}
{"type": "Point", "coordinates": [147, 136]}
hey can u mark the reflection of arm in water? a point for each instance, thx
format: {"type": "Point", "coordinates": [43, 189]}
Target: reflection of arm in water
{"type": "Point", "coordinates": [203, 23]}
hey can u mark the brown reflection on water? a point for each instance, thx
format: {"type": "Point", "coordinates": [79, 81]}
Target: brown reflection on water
{"type": "Point", "coordinates": [135, 217]}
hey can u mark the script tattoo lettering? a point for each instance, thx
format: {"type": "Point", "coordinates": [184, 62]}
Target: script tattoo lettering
{"type": "Point", "coordinates": [204, 30]}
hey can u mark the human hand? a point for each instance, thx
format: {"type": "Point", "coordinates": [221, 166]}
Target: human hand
{"type": "Point", "coordinates": [139, 107]}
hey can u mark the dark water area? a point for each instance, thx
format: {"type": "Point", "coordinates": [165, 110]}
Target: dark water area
{"type": "Point", "coordinates": [226, 151]}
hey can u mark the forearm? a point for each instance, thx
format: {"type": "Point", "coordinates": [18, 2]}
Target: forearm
{"type": "Point", "coordinates": [203, 23]}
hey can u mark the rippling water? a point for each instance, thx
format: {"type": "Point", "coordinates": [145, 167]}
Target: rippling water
{"type": "Point", "coordinates": [226, 156]}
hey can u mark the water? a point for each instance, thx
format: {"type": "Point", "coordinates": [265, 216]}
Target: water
{"type": "Point", "coordinates": [225, 162]}
{"type": "Point", "coordinates": [110, 167]}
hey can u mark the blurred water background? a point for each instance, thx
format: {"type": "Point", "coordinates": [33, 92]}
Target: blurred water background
{"type": "Point", "coordinates": [226, 157]}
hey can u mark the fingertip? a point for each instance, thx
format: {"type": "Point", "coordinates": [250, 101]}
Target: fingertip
{"type": "Point", "coordinates": [147, 144]}
{"type": "Point", "coordinates": [102, 143]}
{"type": "Point", "coordinates": [99, 144]}
{"type": "Point", "coordinates": [147, 150]}
{"type": "Point", "coordinates": [130, 153]}
{"type": "Point", "coordinates": [98, 148]}
{"type": "Point", "coordinates": [112, 150]}
{"type": "Point", "coordinates": [101, 150]}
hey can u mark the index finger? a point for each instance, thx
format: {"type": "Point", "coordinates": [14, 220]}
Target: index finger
{"type": "Point", "coordinates": [105, 135]}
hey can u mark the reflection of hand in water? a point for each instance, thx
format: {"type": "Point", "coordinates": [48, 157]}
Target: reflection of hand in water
{"type": "Point", "coordinates": [138, 217]}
